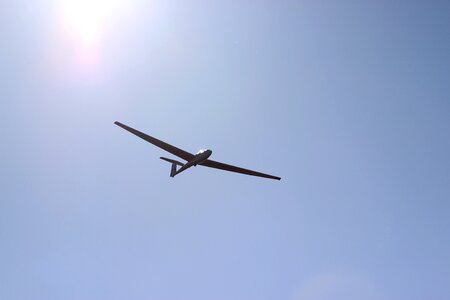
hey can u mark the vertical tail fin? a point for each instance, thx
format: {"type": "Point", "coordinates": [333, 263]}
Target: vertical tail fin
{"type": "Point", "coordinates": [173, 171]}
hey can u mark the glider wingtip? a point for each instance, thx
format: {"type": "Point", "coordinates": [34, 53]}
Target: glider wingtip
{"type": "Point", "coordinates": [119, 124]}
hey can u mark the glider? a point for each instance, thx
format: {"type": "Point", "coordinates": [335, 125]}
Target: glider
{"type": "Point", "coordinates": [200, 158]}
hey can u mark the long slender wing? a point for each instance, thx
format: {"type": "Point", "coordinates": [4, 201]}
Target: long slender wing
{"type": "Point", "coordinates": [169, 148]}
{"type": "Point", "coordinates": [222, 166]}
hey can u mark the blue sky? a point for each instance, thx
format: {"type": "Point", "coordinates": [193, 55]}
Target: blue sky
{"type": "Point", "coordinates": [346, 101]}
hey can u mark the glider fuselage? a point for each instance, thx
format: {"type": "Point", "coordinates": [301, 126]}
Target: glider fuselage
{"type": "Point", "coordinates": [198, 158]}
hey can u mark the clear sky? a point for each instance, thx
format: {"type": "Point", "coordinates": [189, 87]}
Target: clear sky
{"type": "Point", "coordinates": [347, 101]}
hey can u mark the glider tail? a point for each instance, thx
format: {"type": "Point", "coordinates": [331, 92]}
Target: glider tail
{"type": "Point", "coordinates": [173, 170]}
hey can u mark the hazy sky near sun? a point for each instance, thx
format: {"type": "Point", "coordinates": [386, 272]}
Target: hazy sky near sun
{"type": "Point", "coordinates": [347, 101]}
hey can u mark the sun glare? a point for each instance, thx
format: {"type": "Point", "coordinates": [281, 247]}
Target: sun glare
{"type": "Point", "coordinates": [85, 20]}
{"type": "Point", "coordinates": [84, 26]}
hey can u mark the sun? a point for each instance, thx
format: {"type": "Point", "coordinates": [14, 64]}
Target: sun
{"type": "Point", "coordinates": [84, 27]}
{"type": "Point", "coordinates": [86, 20]}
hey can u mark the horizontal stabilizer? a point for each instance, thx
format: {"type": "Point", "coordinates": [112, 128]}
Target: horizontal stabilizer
{"type": "Point", "coordinates": [172, 161]}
